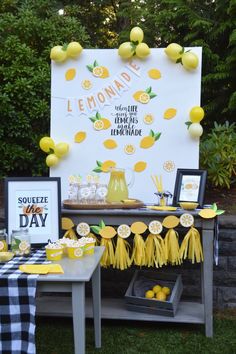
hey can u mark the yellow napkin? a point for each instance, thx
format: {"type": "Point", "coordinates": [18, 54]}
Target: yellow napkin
{"type": "Point", "coordinates": [153, 207]}
{"type": "Point", "coordinates": [41, 268]}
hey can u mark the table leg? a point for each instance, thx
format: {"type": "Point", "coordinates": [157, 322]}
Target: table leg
{"type": "Point", "coordinates": [78, 312]}
{"type": "Point", "coordinates": [207, 236]}
{"type": "Point", "coordinates": [96, 290]}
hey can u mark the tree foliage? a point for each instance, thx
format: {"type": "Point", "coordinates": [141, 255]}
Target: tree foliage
{"type": "Point", "coordinates": [29, 28]}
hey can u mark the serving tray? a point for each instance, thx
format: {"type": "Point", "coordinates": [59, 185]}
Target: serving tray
{"type": "Point", "coordinates": [73, 204]}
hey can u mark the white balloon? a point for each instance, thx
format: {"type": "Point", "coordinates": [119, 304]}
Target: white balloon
{"type": "Point", "coordinates": [195, 130]}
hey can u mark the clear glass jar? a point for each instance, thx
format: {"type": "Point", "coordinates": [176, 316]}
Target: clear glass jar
{"type": "Point", "coordinates": [3, 240]}
{"type": "Point", "coordinates": [20, 242]}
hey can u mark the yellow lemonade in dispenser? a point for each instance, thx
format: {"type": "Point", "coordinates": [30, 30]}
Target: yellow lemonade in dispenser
{"type": "Point", "coordinates": [117, 186]}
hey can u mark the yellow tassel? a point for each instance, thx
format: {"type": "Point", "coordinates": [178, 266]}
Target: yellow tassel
{"type": "Point", "coordinates": [172, 247]}
{"type": "Point", "coordinates": [95, 238]}
{"type": "Point", "coordinates": [138, 255]}
{"type": "Point", "coordinates": [70, 234]}
{"type": "Point", "coordinates": [108, 257]}
{"type": "Point", "coordinates": [191, 246]}
{"type": "Point", "coordinates": [155, 251]}
{"type": "Point", "coordinates": [122, 258]}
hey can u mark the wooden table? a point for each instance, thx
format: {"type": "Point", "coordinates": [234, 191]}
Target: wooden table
{"type": "Point", "coordinates": [76, 274]}
{"type": "Point", "coordinates": [188, 312]}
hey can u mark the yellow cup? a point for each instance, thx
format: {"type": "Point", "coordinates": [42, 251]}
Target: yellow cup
{"type": "Point", "coordinates": [54, 254]}
{"type": "Point", "coordinates": [75, 252]}
{"type": "Point", "coordinates": [89, 248]}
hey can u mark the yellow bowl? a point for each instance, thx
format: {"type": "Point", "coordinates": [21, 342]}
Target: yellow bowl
{"type": "Point", "coordinates": [54, 254]}
{"type": "Point", "coordinates": [6, 256]}
{"type": "Point", "coordinates": [75, 252]}
{"type": "Point", "coordinates": [188, 205]}
{"type": "Point", "coordinates": [89, 248]}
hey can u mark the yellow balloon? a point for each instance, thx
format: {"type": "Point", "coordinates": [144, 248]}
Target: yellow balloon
{"type": "Point", "coordinates": [195, 130]}
{"type": "Point", "coordinates": [190, 61]}
{"type": "Point", "coordinates": [142, 50]}
{"type": "Point", "coordinates": [52, 160]}
{"type": "Point", "coordinates": [196, 114]}
{"type": "Point", "coordinates": [74, 49]}
{"type": "Point", "coordinates": [61, 149]}
{"type": "Point", "coordinates": [126, 50]}
{"type": "Point", "coordinates": [46, 143]}
{"type": "Point", "coordinates": [136, 34]}
{"type": "Point", "coordinates": [58, 54]}
{"type": "Point", "coordinates": [173, 51]}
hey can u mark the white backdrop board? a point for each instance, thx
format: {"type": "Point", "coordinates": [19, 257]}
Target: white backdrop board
{"type": "Point", "coordinates": [136, 103]}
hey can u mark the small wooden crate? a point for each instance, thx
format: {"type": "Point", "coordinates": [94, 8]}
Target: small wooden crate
{"type": "Point", "coordinates": [143, 281]}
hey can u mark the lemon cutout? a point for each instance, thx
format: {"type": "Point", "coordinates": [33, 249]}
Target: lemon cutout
{"type": "Point", "coordinates": [66, 223]}
{"type": "Point", "coordinates": [79, 137]}
{"type": "Point", "coordinates": [70, 74]}
{"type": "Point", "coordinates": [98, 125]}
{"type": "Point", "coordinates": [137, 95]}
{"type": "Point", "coordinates": [154, 74]}
{"type": "Point", "coordinates": [107, 165]}
{"type": "Point", "coordinates": [140, 166]}
{"type": "Point", "coordinates": [83, 229]}
{"type": "Point", "coordinates": [106, 123]}
{"type": "Point", "coordinates": [148, 119]}
{"type": "Point", "coordinates": [110, 144]}
{"type": "Point", "coordinates": [107, 232]}
{"type": "Point", "coordinates": [207, 213]}
{"type": "Point", "coordinates": [147, 142]}
{"type": "Point", "coordinates": [186, 220]}
{"type": "Point", "coordinates": [170, 222]}
{"type": "Point", "coordinates": [101, 72]}
{"type": "Point", "coordinates": [138, 227]}
{"type": "Point", "coordinates": [123, 231]}
{"type": "Point", "coordinates": [86, 84]}
{"type": "Point", "coordinates": [129, 149]}
{"type": "Point", "coordinates": [155, 227]}
{"type": "Point", "coordinates": [170, 113]}
{"type": "Point", "coordinates": [169, 166]}
{"type": "Point", "coordinates": [144, 98]}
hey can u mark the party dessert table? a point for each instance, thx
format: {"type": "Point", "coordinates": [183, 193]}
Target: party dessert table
{"type": "Point", "coordinates": [188, 312]}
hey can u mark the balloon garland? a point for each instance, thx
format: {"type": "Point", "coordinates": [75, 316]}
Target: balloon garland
{"type": "Point", "coordinates": [55, 151]}
{"type": "Point", "coordinates": [196, 115]}
{"type": "Point", "coordinates": [136, 46]}
{"type": "Point", "coordinates": [177, 54]}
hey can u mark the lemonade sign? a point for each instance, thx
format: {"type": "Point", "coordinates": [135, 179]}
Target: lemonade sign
{"type": "Point", "coordinates": [129, 113]}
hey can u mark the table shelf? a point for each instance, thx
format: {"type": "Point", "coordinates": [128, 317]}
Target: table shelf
{"type": "Point", "coordinates": [188, 312]}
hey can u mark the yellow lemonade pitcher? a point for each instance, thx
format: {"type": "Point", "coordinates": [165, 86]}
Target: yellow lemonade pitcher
{"type": "Point", "coordinates": [117, 186]}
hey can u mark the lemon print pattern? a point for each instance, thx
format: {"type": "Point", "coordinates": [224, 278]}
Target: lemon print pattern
{"type": "Point", "coordinates": [154, 74]}
{"type": "Point", "coordinates": [148, 118]}
{"type": "Point", "coordinates": [169, 166]}
{"type": "Point", "coordinates": [99, 122]}
{"type": "Point", "coordinates": [144, 96]}
{"type": "Point", "coordinates": [170, 113]}
{"type": "Point", "coordinates": [70, 74]}
{"type": "Point", "coordinates": [105, 166]}
{"type": "Point", "coordinates": [110, 144]}
{"type": "Point", "coordinates": [140, 166]}
{"type": "Point", "coordinates": [79, 137]}
{"type": "Point", "coordinates": [98, 71]}
{"type": "Point", "coordinates": [129, 149]}
{"type": "Point", "coordinates": [149, 140]}
{"type": "Point", "coordinates": [86, 84]}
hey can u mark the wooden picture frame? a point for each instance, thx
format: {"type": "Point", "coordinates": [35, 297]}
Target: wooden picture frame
{"type": "Point", "coordinates": [190, 186]}
{"type": "Point", "coordinates": [34, 203]}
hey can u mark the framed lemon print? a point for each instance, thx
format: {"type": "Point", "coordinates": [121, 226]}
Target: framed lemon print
{"type": "Point", "coordinates": [190, 186]}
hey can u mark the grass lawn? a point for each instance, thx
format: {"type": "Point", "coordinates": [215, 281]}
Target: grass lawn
{"type": "Point", "coordinates": [55, 336]}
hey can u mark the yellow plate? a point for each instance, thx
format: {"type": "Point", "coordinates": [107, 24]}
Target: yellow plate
{"type": "Point", "coordinates": [168, 208]}
{"type": "Point", "coordinates": [6, 256]}
{"type": "Point", "coordinates": [188, 205]}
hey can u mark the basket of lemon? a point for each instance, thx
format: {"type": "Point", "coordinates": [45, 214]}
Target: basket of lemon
{"type": "Point", "coordinates": [154, 293]}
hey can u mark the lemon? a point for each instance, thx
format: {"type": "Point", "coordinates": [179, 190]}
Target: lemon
{"type": "Point", "coordinates": [149, 294]}
{"type": "Point", "coordinates": [190, 61]}
{"type": "Point", "coordinates": [70, 74]}
{"type": "Point", "coordinates": [101, 72]}
{"type": "Point", "coordinates": [154, 74]}
{"type": "Point", "coordinates": [137, 95]}
{"type": "Point", "coordinates": [148, 119]}
{"type": "Point", "coordinates": [129, 149]}
{"type": "Point", "coordinates": [166, 290]}
{"type": "Point", "coordinates": [207, 213]}
{"type": "Point", "coordinates": [144, 98]}
{"type": "Point", "coordinates": [106, 123]}
{"type": "Point", "coordinates": [126, 50]}
{"type": "Point", "coordinates": [173, 51]}
{"type": "Point", "coordinates": [73, 50]}
{"type": "Point", "coordinates": [161, 296]}
{"type": "Point", "coordinates": [195, 130]}
{"type": "Point", "coordinates": [61, 149]}
{"type": "Point", "coordinates": [136, 34]}
{"type": "Point", "coordinates": [52, 160]}
{"type": "Point", "coordinates": [142, 50]}
{"type": "Point", "coordinates": [156, 289]}
{"type": "Point", "coordinates": [86, 84]}
{"type": "Point", "coordinates": [107, 165]}
{"type": "Point", "coordinates": [58, 54]}
{"type": "Point", "coordinates": [196, 114]}
{"type": "Point", "coordinates": [140, 166]}
{"type": "Point", "coordinates": [110, 144]}
{"type": "Point", "coordinates": [98, 124]}
{"type": "Point", "coordinates": [147, 142]}
{"type": "Point", "coordinates": [46, 143]}
{"type": "Point", "coordinates": [170, 113]}
{"type": "Point", "coordinates": [79, 137]}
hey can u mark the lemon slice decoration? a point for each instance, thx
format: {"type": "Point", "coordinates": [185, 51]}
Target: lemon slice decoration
{"type": "Point", "coordinates": [186, 220]}
{"type": "Point", "coordinates": [170, 113]}
{"type": "Point", "coordinates": [211, 213]}
{"type": "Point", "coordinates": [23, 246]}
{"type": "Point", "coordinates": [140, 166]}
{"type": "Point", "coordinates": [148, 119]}
{"type": "Point", "coordinates": [144, 96]}
{"type": "Point", "coordinates": [155, 227]}
{"type": "Point", "coordinates": [83, 229]}
{"type": "Point", "coordinates": [79, 137]}
{"type": "Point", "coordinates": [98, 125]}
{"type": "Point", "coordinates": [123, 231]}
{"type": "Point", "coordinates": [110, 144]}
{"type": "Point", "coordinates": [129, 149]}
{"type": "Point", "coordinates": [70, 74]}
{"type": "Point", "coordinates": [104, 123]}
{"type": "Point", "coordinates": [169, 166]}
{"type": "Point", "coordinates": [86, 84]}
{"type": "Point", "coordinates": [98, 71]}
{"type": "Point", "coordinates": [154, 74]}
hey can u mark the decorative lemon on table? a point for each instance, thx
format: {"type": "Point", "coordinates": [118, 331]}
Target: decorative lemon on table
{"type": "Point", "coordinates": [149, 294]}
{"type": "Point", "coordinates": [161, 296]}
{"type": "Point", "coordinates": [156, 288]}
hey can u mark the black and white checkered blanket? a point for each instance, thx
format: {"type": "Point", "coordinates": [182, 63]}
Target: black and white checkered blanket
{"type": "Point", "coordinates": [17, 305]}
